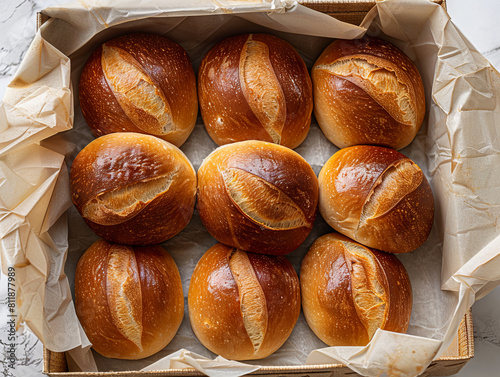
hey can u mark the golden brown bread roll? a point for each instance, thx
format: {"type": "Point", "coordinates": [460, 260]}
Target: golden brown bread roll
{"type": "Point", "coordinates": [257, 196]}
{"type": "Point", "coordinates": [366, 91]}
{"type": "Point", "coordinates": [140, 83]}
{"type": "Point", "coordinates": [133, 189]}
{"type": "Point", "coordinates": [243, 306]}
{"type": "Point", "coordinates": [378, 197]}
{"type": "Point", "coordinates": [255, 86]}
{"type": "Point", "coordinates": [349, 291]}
{"type": "Point", "coordinates": [129, 300]}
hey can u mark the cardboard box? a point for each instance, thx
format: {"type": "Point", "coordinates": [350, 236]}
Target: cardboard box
{"type": "Point", "coordinates": [457, 355]}
{"type": "Point", "coordinates": [352, 11]}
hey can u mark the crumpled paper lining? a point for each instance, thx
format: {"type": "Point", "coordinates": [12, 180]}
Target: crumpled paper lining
{"type": "Point", "coordinates": [456, 148]}
{"type": "Point", "coordinates": [219, 367]}
{"type": "Point", "coordinates": [38, 102]}
{"type": "Point", "coordinates": [34, 197]}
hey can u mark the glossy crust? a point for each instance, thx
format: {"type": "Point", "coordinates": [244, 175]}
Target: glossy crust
{"type": "Point", "coordinates": [257, 196]}
{"type": "Point", "coordinates": [378, 197]}
{"type": "Point", "coordinates": [255, 86]}
{"type": "Point", "coordinates": [349, 291]}
{"type": "Point", "coordinates": [366, 91]}
{"type": "Point", "coordinates": [225, 306]}
{"type": "Point", "coordinates": [140, 83]}
{"type": "Point", "coordinates": [129, 300]}
{"type": "Point", "coordinates": [133, 189]}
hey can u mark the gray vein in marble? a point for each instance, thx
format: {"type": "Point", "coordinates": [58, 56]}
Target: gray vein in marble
{"type": "Point", "coordinates": [28, 349]}
{"type": "Point", "coordinates": [18, 26]}
{"type": "Point", "coordinates": [491, 52]}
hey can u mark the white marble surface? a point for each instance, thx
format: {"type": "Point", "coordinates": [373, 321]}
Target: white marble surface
{"type": "Point", "coordinates": [478, 20]}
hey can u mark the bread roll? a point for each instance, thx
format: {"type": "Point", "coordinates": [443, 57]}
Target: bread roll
{"type": "Point", "coordinates": [349, 291]}
{"type": "Point", "coordinates": [133, 189]}
{"type": "Point", "coordinates": [378, 197]}
{"type": "Point", "coordinates": [128, 299]}
{"type": "Point", "coordinates": [255, 86]}
{"type": "Point", "coordinates": [257, 196]}
{"type": "Point", "coordinates": [140, 83]}
{"type": "Point", "coordinates": [243, 306]}
{"type": "Point", "coordinates": [366, 91]}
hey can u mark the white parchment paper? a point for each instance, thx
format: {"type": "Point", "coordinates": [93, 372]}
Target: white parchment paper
{"type": "Point", "coordinates": [457, 147]}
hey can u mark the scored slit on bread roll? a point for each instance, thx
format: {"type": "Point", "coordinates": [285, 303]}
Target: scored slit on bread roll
{"type": "Point", "coordinates": [243, 306]}
{"type": "Point", "coordinates": [349, 291]}
{"type": "Point", "coordinates": [133, 189]}
{"type": "Point", "coordinates": [378, 197]}
{"type": "Point", "coordinates": [129, 300]}
{"type": "Point", "coordinates": [366, 91]}
{"type": "Point", "coordinates": [140, 83]}
{"type": "Point", "coordinates": [255, 87]}
{"type": "Point", "coordinates": [257, 196]}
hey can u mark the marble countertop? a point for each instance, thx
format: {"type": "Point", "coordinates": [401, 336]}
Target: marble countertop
{"type": "Point", "coordinates": [477, 20]}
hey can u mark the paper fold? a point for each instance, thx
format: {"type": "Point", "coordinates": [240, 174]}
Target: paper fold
{"type": "Point", "coordinates": [219, 367]}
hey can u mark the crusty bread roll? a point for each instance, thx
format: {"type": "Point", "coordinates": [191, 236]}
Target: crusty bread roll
{"type": "Point", "coordinates": [243, 306]}
{"type": "Point", "coordinates": [129, 300]}
{"type": "Point", "coordinates": [349, 291]}
{"type": "Point", "coordinates": [255, 86]}
{"type": "Point", "coordinates": [140, 83]}
{"type": "Point", "coordinates": [366, 91]}
{"type": "Point", "coordinates": [257, 196]}
{"type": "Point", "coordinates": [133, 189]}
{"type": "Point", "coordinates": [378, 197]}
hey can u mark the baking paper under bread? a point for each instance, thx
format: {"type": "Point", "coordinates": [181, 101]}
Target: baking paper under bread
{"type": "Point", "coordinates": [457, 149]}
